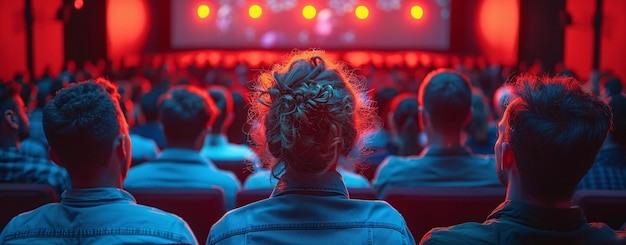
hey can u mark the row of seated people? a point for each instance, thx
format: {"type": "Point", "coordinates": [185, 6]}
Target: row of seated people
{"type": "Point", "coordinates": [307, 114]}
{"type": "Point", "coordinates": [422, 208]}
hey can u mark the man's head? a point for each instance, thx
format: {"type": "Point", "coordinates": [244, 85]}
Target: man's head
{"type": "Point", "coordinates": [224, 102]}
{"type": "Point", "coordinates": [501, 98]}
{"type": "Point", "coordinates": [148, 104]}
{"type": "Point", "coordinates": [613, 87]}
{"type": "Point", "coordinates": [86, 130]}
{"type": "Point", "coordinates": [186, 113]}
{"type": "Point", "coordinates": [549, 136]}
{"type": "Point", "coordinates": [445, 99]}
{"type": "Point", "coordinates": [14, 124]}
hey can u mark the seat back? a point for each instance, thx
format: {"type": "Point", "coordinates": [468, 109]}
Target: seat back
{"type": "Point", "coordinates": [247, 196]}
{"type": "Point", "coordinates": [364, 193]}
{"type": "Point", "coordinates": [608, 206]}
{"type": "Point", "coordinates": [240, 168]}
{"type": "Point", "coordinates": [199, 207]}
{"type": "Point", "coordinates": [426, 208]}
{"type": "Point", "coordinates": [19, 198]}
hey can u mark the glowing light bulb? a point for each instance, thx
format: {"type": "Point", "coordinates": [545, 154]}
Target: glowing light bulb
{"type": "Point", "coordinates": [309, 12]}
{"type": "Point", "coordinates": [203, 11]}
{"type": "Point", "coordinates": [417, 12]}
{"type": "Point", "coordinates": [361, 12]}
{"type": "Point", "coordinates": [255, 11]}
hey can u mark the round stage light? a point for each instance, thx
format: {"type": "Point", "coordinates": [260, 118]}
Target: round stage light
{"type": "Point", "coordinates": [309, 12]}
{"type": "Point", "coordinates": [417, 12]}
{"type": "Point", "coordinates": [361, 12]}
{"type": "Point", "coordinates": [203, 11]}
{"type": "Point", "coordinates": [255, 11]}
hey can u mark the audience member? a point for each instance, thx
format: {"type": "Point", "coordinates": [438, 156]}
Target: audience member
{"type": "Point", "coordinates": [89, 136]}
{"type": "Point", "coordinates": [445, 100]}
{"type": "Point", "coordinates": [548, 139]}
{"type": "Point", "coordinates": [404, 124]}
{"type": "Point", "coordinates": [237, 131]}
{"type": "Point", "coordinates": [216, 145]}
{"type": "Point", "coordinates": [479, 138]}
{"type": "Point", "coordinates": [151, 128]}
{"type": "Point", "coordinates": [186, 113]}
{"type": "Point", "coordinates": [17, 166]}
{"type": "Point", "coordinates": [609, 168]}
{"type": "Point", "coordinates": [310, 114]}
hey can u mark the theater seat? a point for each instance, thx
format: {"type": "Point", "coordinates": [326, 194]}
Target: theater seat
{"type": "Point", "coordinates": [426, 208]}
{"type": "Point", "coordinates": [240, 168]}
{"type": "Point", "coordinates": [247, 196]}
{"type": "Point", "coordinates": [19, 198]}
{"type": "Point", "coordinates": [199, 207]}
{"type": "Point", "coordinates": [608, 206]}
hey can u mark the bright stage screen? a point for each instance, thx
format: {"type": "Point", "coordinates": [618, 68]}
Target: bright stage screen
{"type": "Point", "coordinates": [304, 24]}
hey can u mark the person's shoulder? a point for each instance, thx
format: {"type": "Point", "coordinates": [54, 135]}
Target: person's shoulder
{"type": "Point", "coordinates": [465, 233]}
{"type": "Point", "coordinates": [32, 217]}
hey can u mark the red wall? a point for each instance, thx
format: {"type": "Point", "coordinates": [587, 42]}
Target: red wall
{"type": "Point", "coordinates": [579, 37]}
{"type": "Point", "coordinates": [13, 38]}
{"type": "Point", "coordinates": [47, 37]}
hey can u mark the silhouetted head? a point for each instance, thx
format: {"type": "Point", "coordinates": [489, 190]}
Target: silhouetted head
{"type": "Point", "coordinates": [551, 133]}
{"type": "Point", "coordinates": [310, 111]}
{"type": "Point", "coordinates": [186, 113]}
{"type": "Point", "coordinates": [14, 124]}
{"type": "Point", "coordinates": [149, 104]}
{"type": "Point", "coordinates": [86, 129]}
{"type": "Point", "coordinates": [445, 99]}
{"type": "Point", "coordinates": [224, 102]}
{"type": "Point", "coordinates": [404, 123]}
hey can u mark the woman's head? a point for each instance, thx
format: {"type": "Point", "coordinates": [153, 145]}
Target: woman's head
{"type": "Point", "coordinates": [404, 118]}
{"type": "Point", "coordinates": [310, 111]}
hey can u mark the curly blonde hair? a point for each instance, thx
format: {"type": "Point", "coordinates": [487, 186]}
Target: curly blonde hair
{"type": "Point", "coordinates": [306, 112]}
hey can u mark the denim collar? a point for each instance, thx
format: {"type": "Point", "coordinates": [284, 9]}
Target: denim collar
{"type": "Point", "coordinates": [88, 197]}
{"type": "Point", "coordinates": [447, 151]}
{"type": "Point", "coordinates": [540, 218]}
{"type": "Point", "coordinates": [326, 184]}
{"type": "Point", "coordinates": [181, 155]}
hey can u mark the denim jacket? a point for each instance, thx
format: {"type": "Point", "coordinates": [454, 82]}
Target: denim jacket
{"type": "Point", "coordinates": [96, 216]}
{"type": "Point", "coordinates": [311, 210]}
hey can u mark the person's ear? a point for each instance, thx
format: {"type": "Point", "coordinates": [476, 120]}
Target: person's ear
{"type": "Point", "coordinates": [508, 156]}
{"type": "Point", "coordinates": [121, 146]}
{"type": "Point", "coordinates": [10, 117]}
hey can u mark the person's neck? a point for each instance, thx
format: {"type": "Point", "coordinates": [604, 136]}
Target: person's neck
{"type": "Point", "coordinates": [444, 140]}
{"type": "Point", "coordinates": [514, 193]}
{"type": "Point", "coordinates": [187, 146]}
{"type": "Point", "coordinates": [9, 141]}
{"type": "Point", "coordinates": [96, 182]}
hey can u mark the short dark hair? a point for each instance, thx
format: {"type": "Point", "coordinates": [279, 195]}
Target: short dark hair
{"type": "Point", "coordinates": [555, 128]}
{"type": "Point", "coordinates": [8, 90]}
{"type": "Point", "coordinates": [224, 102]}
{"type": "Point", "coordinates": [184, 111]}
{"type": "Point", "coordinates": [613, 86]}
{"type": "Point", "coordinates": [149, 104]}
{"type": "Point", "coordinates": [81, 123]}
{"type": "Point", "coordinates": [406, 121]}
{"type": "Point", "coordinates": [447, 97]}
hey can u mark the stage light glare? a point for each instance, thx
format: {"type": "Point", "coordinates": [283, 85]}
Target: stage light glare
{"type": "Point", "coordinates": [309, 12]}
{"type": "Point", "coordinates": [417, 12]}
{"type": "Point", "coordinates": [361, 12]}
{"type": "Point", "coordinates": [255, 11]}
{"type": "Point", "coordinates": [78, 4]}
{"type": "Point", "coordinates": [203, 11]}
